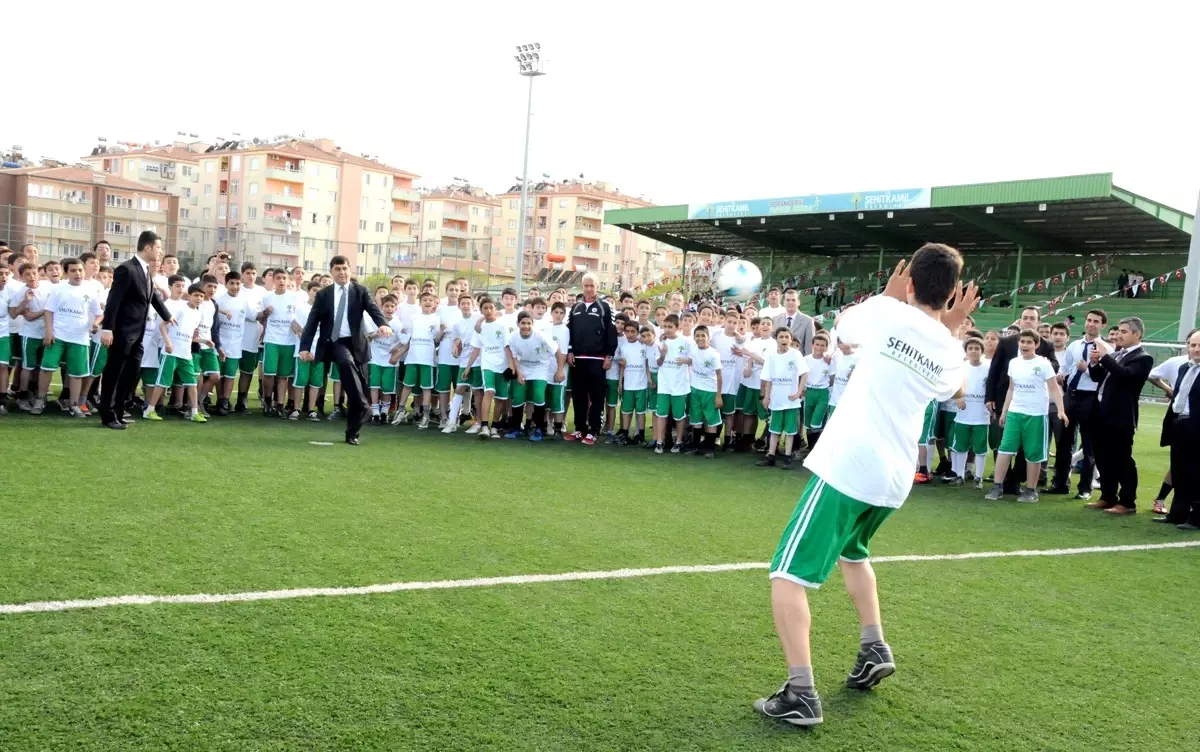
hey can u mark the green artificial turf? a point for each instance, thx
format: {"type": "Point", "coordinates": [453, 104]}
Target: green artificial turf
{"type": "Point", "coordinates": [1087, 652]}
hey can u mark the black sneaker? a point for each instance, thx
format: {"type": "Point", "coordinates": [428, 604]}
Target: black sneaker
{"type": "Point", "coordinates": [768, 461]}
{"type": "Point", "coordinates": [787, 463]}
{"type": "Point", "coordinates": [240, 408]}
{"type": "Point", "coordinates": [875, 663]}
{"type": "Point", "coordinates": [796, 708]}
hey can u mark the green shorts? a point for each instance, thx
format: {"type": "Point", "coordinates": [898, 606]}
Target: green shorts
{"type": "Point", "coordinates": [149, 376]}
{"type": "Point", "coordinates": [417, 376]}
{"type": "Point", "coordinates": [671, 406]}
{"type": "Point", "coordinates": [826, 526]}
{"type": "Point", "coordinates": [99, 358]}
{"type": "Point", "coordinates": [702, 408]}
{"type": "Point", "coordinates": [750, 402]}
{"type": "Point", "coordinates": [5, 348]}
{"type": "Point", "coordinates": [474, 379]}
{"type": "Point", "coordinates": [994, 434]}
{"type": "Point", "coordinates": [447, 377]}
{"type": "Point", "coordinates": [610, 399]}
{"type": "Point", "coordinates": [532, 391]}
{"type": "Point", "coordinates": [816, 409]}
{"type": "Point", "coordinates": [14, 348]}
{"type": "Point", "coordinates": [308, 374]}
{"type": "Point", "coordinates": [334, 373]}
{"type": "Point", "coordinates": [493, 381]}
{"type": "Point", "coordinates": [278, 360]}
{"type": "Point", "coordinates": [556, 396]}
{"type": "Point", "coordinates": [945, 424]}
{"type": "Point", "coordinates": [929, 424]}
{"type": "Point", "coordinates": [206, 362]}
{"type": "Point", "coordinates": [229, 367]}
{"type": "Point", "coordinates": [633, 402]}
{"type": "Point", "coordinates": [248, 363]}
{"type": "Point", "coordinates": [729, 404]}
{"type": "Point", "coordinates": [382, 378]}
{"type": "Point", "coordinates": [1028, 432]}
{"type": "Point", "coordinates": [651, 399]}
{"type": "Point", "coordinates": [74, 355]}
{"type": "Point", "coordinates": [968, 438]}
{"type": "Point", "coordinates": [786, 422]}
{"type": "Point", "coordinates": [175, 370]}
{"type": "Point", "coordinates": [31, 351]}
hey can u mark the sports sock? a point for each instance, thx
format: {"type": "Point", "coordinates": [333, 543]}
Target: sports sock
{"type": "Point", "coordinates": [872, 632]}
{"type": "Point", "coordinates": [1164, 491]}
{"type": "Point", "coordinates": [813, 438]}
{"type": "Point", "coordinates": [484, 425]}
{"type": "Point", "coordinates": [958, 461]}
{"type": "Point", "coordinates": [923, 470]}
{"type": "Point", "coordinates": [539, 416]}
{"type": "Point", "coordinates": [800, 678]}
{"type": "Point", "coordinates": [980, 462]}
{"type": "Point", "coordinates": [455, 407]}
{"type": "Point", "coordinates": [374, 408]}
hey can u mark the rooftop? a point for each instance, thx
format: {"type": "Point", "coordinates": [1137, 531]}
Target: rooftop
{"type": "Point", "coordinates": [578, 188]}
{"type": "Point", "coordinates": [171, 153]}
{"type": "Point", "coordinates": [323, 149]}
{"type": "Point", "coordinates": [82, 175]}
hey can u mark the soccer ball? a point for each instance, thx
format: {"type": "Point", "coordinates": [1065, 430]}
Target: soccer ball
{"type": "Point", "coordinates": [738, 280]}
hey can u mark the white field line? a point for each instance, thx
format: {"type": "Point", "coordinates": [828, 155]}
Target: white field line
{"type": "Point", "coordinates": [527, 579]}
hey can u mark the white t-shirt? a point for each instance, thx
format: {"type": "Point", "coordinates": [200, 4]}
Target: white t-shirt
{"type": "Point", "coordinates": [36, 329]}
{"type": "Point", "coordinates": [771, 312]}
{"type": "Point", "coordinates": [761, 347]}
{"type": "Point", "coordinates": [562, 337]}
{"type": "Point", "coordinates": [464, 332]}
{"type": "Point", "coordinates": [974, 394]}
{"type": "Point", "coordinates": [905, 361]}
{"type": "Point", "coordinates": [731, 365]}
{"type": "Point", "coordinates": [208, 310]}
{"type": "Point", "coordinates": [12, 295]}
{"type": "Point", "coordinates": [1168, 370]}
{"type": "Point", "coordinates": [151, 341]}
{"type": "Point", "coordinates": [706, 363]}
{"type": "Point", "coordinates": [535, 354]}
{"type": "Point", "coordinates": [74, 307]}
{"type": "Point", "coordinates": [406, 312]}
{"type": "Point", "coordinates": [187, 320]}
{"type": "Point", "coordinates": [252, 331]}
{"type": "Point", "coordinates": [634, 356]}
{"type": "Point", "coordinates": [490, 340]}
{"type": "Point", "coordinates": [448, 315]}
{"type": "Point", "coordinates": [233, 329]}
{"type": "Point", "coordinates": [820, 373]}
{"type": "Point", "coordinates": [843, 369]}
{"type": "Point", "coordinates": [381, 347]}
{"type": "Point", "coordinates": [784, 370]}
{"type": "Point", "coordinates": [422, 331]}
{"type": "Point", "coordinates": [510, 321]}
{"type": "Point", "coordinates": [103, 304]}
{"type": "Point", "coordinates": [673, 378]}
{"type": "Point", "coordinates": [279, 321]}
{"type": "Point", "coordinates": [1031, 396]}
{"type": "Point", "coordinates": [300, 317]}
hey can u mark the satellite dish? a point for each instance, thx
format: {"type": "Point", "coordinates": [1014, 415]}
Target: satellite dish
{"type": "Point", "coordinates": [257, 141]}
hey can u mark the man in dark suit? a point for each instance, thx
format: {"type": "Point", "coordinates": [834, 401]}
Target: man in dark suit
{"type": "Point", "coordinates": [997, 382]}
{"type": "Point", "coordinates": [338, 312]}
{"type": "Point", "coordinates": [1121, 376]}
{"type": "Point", "coordinates": [1181, 432]}
{"type": "Point", "coordinates": [129, 301]}
{"type": "Point", "coordinates": [800, 324]}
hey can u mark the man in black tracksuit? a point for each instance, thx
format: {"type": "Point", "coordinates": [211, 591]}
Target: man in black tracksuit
{"type": "Point", "coordinates": [593, 344]}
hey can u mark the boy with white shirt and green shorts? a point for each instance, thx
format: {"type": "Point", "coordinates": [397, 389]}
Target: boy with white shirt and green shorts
{"type": "Point", "coordinates": [908, 357]}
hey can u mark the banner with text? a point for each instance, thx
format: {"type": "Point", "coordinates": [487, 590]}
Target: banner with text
{"type": "Point", "coordinates": [907, 198]}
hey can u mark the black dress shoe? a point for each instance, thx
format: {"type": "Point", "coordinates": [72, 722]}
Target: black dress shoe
{"type": "Point", "coordinates": [1164, 520]}
{"type": "Point", "coordinates": [1188, 526]}
{"type": "Point", "coordinates": [1058, 491]}
{"type": "Point", "coordinates": [115, 425]}
{"type": "Point", "coordinates": [352, 440]}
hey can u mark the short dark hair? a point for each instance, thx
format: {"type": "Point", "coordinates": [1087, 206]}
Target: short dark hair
{"type": "Point", "coordinates": [15, 256]}
{"type": "Point", "coordinates": [312, 284]}
{"type": "Point", "coordinates": [1098, 312]}
{"type": "Point", "coordinates": [782, 330]}
{"type": "Point", "coordinates": [25, 267]}
{"type": "Point", "coordinates": [1031, 334]}
{"type": "Point", "coordinates": [1034, 309]}
{"type": "Point", "coordinates": [558, 306]}
{"type": "Point", "coordinates": [381, 287]}
{"type": "Point", "coordinates": [523, 315]}
{"type": "Point", "coordinates": [99, 243]}
{"type": "Point", "coordinates": [701, 328]}
{"type": "Point", "coordinates": [631, 325]}
{"type": "Point", "coordinates": [105, 268]}
{"type": "Point", "coordinates": [973, 341]}
{"type": "Point", "coordinates": [509, 291]}
{"type": "Point", "coordinates": [208, 279]}
{"type": "Point", "coordinates": [248, 266]}
{"type": "Point", "coordinates": [146, 240]}
{"type": "Point", "coordinates": [411, 282]}
{"type": "Point", "coordinates": [339, 261]}
{"type": "Point", "coordinates": [485, 299]}
{"type": "Point", "coordinates": [538, 302]}
{"type": "Point", "coordinates": [67, 263]}
{"type": "Point", "coordinates": [818, 336]}
{"type": "Point", "coordinates": [427, 294]}
{"type": "Point", "coordinates": [194, 288]}
{"type": "Point", "coordinates": [774, 288]}
{"type": "Point", "coordinates": [757, 320]}
{"type": "Point", "coordinates": [1060, 327]}
{"type": "Point", "coordinates": [671, 319]}
{"type": "Point", "coordinates": [87, 256]}
{"type": "Point", "coordinates": [934, 271]}
{"type": "Point", "coordinates": [232, 276]}
{"type": "Point", "coordinates": [389, 298]}
{"type": "Point", "coordinates": [176, 278]}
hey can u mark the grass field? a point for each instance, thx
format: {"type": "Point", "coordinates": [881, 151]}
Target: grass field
{"type": "Point", "coordinates": [1085, 652]}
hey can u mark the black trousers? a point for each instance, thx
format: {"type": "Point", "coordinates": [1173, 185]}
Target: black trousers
{"type": "Point", "coordinates": [1118, 469]}
{"type": "Point", "coordinates": [119, 379]}
{"type": "Point", "coordinates": [1081, 411]}
{"type": "Point", "coordinates": [1185, 475]}
{"type": "Point", "coordinates": [354, 385]}
{"type": "Point", "coordinates": [588, 391]}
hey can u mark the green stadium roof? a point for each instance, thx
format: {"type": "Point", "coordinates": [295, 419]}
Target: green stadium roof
{"type": "Point", "coordinates": [1084, 214]}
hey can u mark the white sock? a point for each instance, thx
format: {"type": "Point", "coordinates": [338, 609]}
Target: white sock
{"type": "Point", "coordinates": [958, 461]}
{"type": "Point", "coordinates": [980, 462]}
{"type": "Point", "coordinates": [375, 408]}
{"type": "Point", "coordinates": [455, 407]}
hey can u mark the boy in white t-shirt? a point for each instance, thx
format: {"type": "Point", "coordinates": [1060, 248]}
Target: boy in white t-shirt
{"type": "Point", "coordinates": [26, 304]}
{"type": "Point", "coordinates": [756, 350]}
{"type": "Point", "coordinates": [489, 353]}
{"type": "Point", "coordinates": [908, 356]}
{"type": "Point", "coordinates": [632, 380]}
{"type": "Point", "coordinates": [783, 380]}
{"type": "Point", "coordinates": [386, 354]}
{"type": "Point", "coordinates": [674, 384]}
{"type": "Point", "coordinates": [5, 339]}
{"type": "Point", "coordinates": [206, 360]}
{"type": "Point", "coordinates": [972, 421]}
{"type": "Point", "coordinates": [557, 389]}
{"type": "Point", "coordinates": [176, 360]}
{"type": "Point", "coordinates": [307, 376]}
{"type": "Point", "coordinates": [237, 313]}
{"type": "Point", "coordinates": [532, 356]}
{"type": "Point", "coordinates": [460, 336]}
{"type": "Point", "coordinates": [425, 332]}
{"type": "Point", "coordinates": [819, 382]}
{"type": "Point", "coordinates": [1032, 385]}
{"type": "Point", "coordinates": [71, 313]}
{"type": "Point", "coordinates": [279, 344]}
{"type": "Point", "coordinates": [252, 294]}
{"type": "Point", "coordinates": [729, 343]}
{"type": "Point", "coordinates": [704, 402]}
{"type": "Point", "coordinates": [447, 362]}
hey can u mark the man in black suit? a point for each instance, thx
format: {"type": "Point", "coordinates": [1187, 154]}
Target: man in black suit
{"type": "Point", "coordinates": [1121, 376]}
{"type": "Point", "coordinates": [129, 301]}
{"type": "Point", "coordinates": [1181, 432]}
{"type": "Point", "coordinates": [338, 312]}
{"type": "Point", "coordinates": [997, 383]}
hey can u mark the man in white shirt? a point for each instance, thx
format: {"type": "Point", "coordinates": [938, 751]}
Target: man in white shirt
{"type": "Point", "coordinates": [909, 357]}
{"type": "Point", "coordinates": [1181, 430]}
{"type": "Point", "coordinates": [1079, 399]}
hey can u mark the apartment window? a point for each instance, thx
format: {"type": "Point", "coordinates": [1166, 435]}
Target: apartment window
{"type": "Point", "coordinates": [512, 224]}
{"type": "Point", "coordinates": [237, 163]}
{"type": "Point", "coordinates": [233, 211]}
{"type": "Point", "coordinates": [329, 245]}
{"type": "Point", "coordinates": [562, 203]}
{"type": "Point", "coordinates": [39, 219]}
{"type": "Point", "coordinates": [333, 196]}
{"type": "Point", "coordinates": [33, 189]}
{"type": "Point", "coordinates": [210, 165]}
{"type": "Point", "coordinates": [314, 170]}
{"type": "Point", "coordinates": [185, 213]}
{"type": "Point", "coordinates": [310, 242]}
{"type": "Point", "coordinates": [513, 203]}
{"type": "Point", "coordinates": [313, 221]}
{"type": "Point", "coordinates": [360, 270]}
{"type": "Point", "coordinates": [221, 211]}
{"type": "Point", "coordinates": [252, 189]}
{"type": "Point", "coordinates": [183, 234]}
{"type": "Point", "coordinates": [385, 181]}
{"type": "Point", "coordinates": [512, 242]}
{"type": "Point", "coordinates": [186, 192]}
{"type": "Point", "coordinates": [328, 220]}
{"type": "Point", "coordinates": [111, 226]}
{"type": "Point", "coordinates": [251, 212]}
{"type": "Point", "coordinates": [474, 229]}
{"type": "Point", "coordinates": [606, 247]}
{"type": "Point", "coordinates": [362, 224]}
{"type": "Point", "coordinates": [366, 178]}
{"type": "Point", "coordinates": [617, 248]}
{"type": "Point", "coordinates": [541, 244]}
{"type": "Point", "coordinates": [475, 211]}
{"type": "Point", "coordinates": [487, 212]}
{"type": "Point", "coordinates": [118, 202]}
{"type": "Point", "coordinates": [206, 214]}
{"type": "Point", "coordinates": [378, 248]}
{"type": "Point", "coordinates": [604, 267]}
{"type": "Point", "coordinates": [335, 173]}
{"type": "Point", "coordinates": [433, 224]}
{"type": "Point", "coordinates": [252, 164]}
{"type": "Point", "coordinates": [541, 223]}
{"type": "Point", "coordinates": [378, 227]}
{"type": "Point", "coordinates": [234, 185]}
{"type": "Point", "coordinates": [560, 244]}
{"type": "Point", "coordinates": [528, 223]}
{"type": "Point", "coordinates": [208, 190]}
{"type": "Point", "coordinates": [382, 203]}
{"type": "Point", "coordinates": [314, 194]}
{"type": "Point", "coordinates": [362, 248]}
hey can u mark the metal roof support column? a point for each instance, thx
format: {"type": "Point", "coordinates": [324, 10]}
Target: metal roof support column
{"type": "Point", "coordinates": [683, 284]}
{"type": "Point", "coordinates": [879, 274]}
{"type": "Point", "coordinates": [1017, 285]}
{"type": "Point", "coordinates": [1191, 285]}
{"type": "Point", "coordinates": [770, 265]}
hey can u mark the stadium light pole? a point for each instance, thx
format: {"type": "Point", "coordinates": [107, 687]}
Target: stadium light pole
{"type": "Point", "coordinates": [1191, 285]}
{"type": "Point", "coordinates": [529, 64]}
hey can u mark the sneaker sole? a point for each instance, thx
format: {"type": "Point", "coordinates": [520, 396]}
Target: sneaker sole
{"type": "Point", "coordinates": [793, 720]}
{"type": "Point", "coordinates": [877, 673]}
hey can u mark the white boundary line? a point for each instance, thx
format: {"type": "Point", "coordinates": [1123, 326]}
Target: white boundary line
{"type": "Point", "coordinates": [527, 579]}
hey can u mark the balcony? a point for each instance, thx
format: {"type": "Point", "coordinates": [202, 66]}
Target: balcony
{"type": "Point", "coordinates": [459, 214]}
{"type": "Point", "coordinates": [453, 232]}
{"type": "Point", "coordinates": [405, 194]}
{"type": "Point", "coordinates": [193, 200]}
{"type": "Point", "coordinates": [395, 239]}
{"type": "Point", "coordinates": [283, 199]}
{"type": "Point", "coordinates": [586, 252]}
{"type": "Point", "coordinates": [589, 210]}
{"type": "Point", "coordinates": [273, 222]}
{"type": "Point", "coordinates": [194, 176]}
{"type": "Point", "coordinates": [285, 174]}
{"type": "Point", "coordinates": [403, 218]}
{"type": "Point", "coordinates": [584, 231]}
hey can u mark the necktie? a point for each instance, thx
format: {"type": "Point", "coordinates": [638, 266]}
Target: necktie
{"type": "Point", "coordinates": [1079, 374]}
{"type": "Point", "coordinates": [340, 314]}
{"type": "Point", "coordinates": [789, 323]}
{"type": "Point", "coordinates": [1185, 386]}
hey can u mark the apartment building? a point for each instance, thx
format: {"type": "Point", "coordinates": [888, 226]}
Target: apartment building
{"type": "Point", "coordinates": [64, 210]}
{"type": "Point", "coordinates": [173, 169]}
{"type": "Point", "coordinates": [564, 229]}
{"type": "Point", "coordinates": [460, 223]}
